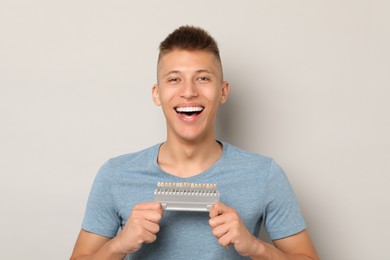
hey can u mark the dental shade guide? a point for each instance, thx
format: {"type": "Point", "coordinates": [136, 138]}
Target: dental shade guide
{"type": "Point", "coordinates": [186, 196]}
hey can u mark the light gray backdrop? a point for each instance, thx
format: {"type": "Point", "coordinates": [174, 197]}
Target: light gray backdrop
{"type": "Point", "coordinates": [309, 86]}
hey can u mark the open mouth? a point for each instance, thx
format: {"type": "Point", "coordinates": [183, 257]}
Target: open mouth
{"type": "Point", "coordinates": [189, 111]}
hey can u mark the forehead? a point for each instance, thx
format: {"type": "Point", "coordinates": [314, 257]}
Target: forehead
{"type": "Point", "coordinates": [185, 60]}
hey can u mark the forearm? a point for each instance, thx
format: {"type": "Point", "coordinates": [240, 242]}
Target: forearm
{"type": "Point", "coordinates": [266, 251]}
{"type": "Point", "coordinates": [109, 251]}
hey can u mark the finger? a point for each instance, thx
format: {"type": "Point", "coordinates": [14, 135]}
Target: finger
{"type": "Point", "coordinates": [220, 231]}
{"type": "Point", "coordinates": [152, 216]}
{"type": "Point", "coordinates": [217, 208]}
{"type": "Point", "coordinates": [147, 214]}
{"type": "Point", "coordinates": [218, 220]}
{"type": "Point", "coordinates": [149, 238]}
{"type": "Point", "coordinates": [154, 205]}
{"type": "Point", "coordinates": [151, 227]}
{"type": "Point", "coordinates": [225, 240]}
{"type": "Point", "coordinates": [223, 218]}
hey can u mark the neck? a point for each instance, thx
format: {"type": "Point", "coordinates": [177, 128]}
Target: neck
{"type": "Point", "coordinates": [186, 159]}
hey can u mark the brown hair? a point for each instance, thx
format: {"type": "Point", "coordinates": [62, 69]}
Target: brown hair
{"type": "Point", "coordinates": [189, 38]}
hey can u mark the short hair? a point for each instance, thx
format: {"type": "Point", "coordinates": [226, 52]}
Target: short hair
{"type": "Point", "coordinates": [189, 38]}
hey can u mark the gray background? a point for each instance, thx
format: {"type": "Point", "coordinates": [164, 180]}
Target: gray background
{"type": "Point", "coordinates": [309, 87]}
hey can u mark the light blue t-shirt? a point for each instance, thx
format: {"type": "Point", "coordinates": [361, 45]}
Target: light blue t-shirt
{"type": "Point", "coordinates": [252, 184]}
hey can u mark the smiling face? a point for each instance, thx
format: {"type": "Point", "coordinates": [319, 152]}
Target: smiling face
{"type": "Point", "coordinates": [189, 90]}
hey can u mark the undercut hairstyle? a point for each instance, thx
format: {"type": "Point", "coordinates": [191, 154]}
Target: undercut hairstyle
{"type": "Point", "coordinates": [190, 38]}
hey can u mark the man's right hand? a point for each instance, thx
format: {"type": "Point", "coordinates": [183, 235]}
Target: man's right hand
{"type": "Point", "coordinates": [141, 227]}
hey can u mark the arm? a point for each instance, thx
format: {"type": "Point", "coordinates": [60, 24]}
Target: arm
{"type": "Point", "coordinates": [141, 227]}
{"type": "Point", "coordinates": [92, 246]}
{"type": "Point", "coordinates": [229, 229]}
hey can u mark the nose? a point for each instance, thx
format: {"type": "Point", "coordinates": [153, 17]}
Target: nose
{"type": "Point", "coordinates": [189, 90]}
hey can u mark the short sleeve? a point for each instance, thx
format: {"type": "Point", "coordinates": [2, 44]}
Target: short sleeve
{"type": "Point", "coordinates": [282, 217]}
{"type": "Point", "coordinates": [101, 216]}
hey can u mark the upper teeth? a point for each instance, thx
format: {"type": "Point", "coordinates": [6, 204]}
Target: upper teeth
{"type": "Point", "coordinates": [189, 109]}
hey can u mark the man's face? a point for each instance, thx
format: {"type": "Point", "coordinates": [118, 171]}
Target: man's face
{"type": "Point", "coordinates": [189, 90]}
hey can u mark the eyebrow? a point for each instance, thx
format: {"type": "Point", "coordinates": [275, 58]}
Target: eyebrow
{"type": "Point", "coordinates": [171, 72]}
{"type": "Point", "coordinates": [196, 72]}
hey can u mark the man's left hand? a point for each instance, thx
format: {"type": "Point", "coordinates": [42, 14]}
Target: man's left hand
{"type": "Point", "coordinates": [229, 229]}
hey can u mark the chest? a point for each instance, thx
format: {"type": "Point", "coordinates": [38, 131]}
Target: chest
{"type": "Point", "coordinates": [243, 193]}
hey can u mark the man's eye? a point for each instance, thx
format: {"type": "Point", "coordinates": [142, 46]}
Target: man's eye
{"type": "Point", "coordinates": [173, 80]}
{"type": "Point", "coordinates": [204, 79]}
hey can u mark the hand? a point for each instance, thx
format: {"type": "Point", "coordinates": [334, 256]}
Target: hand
{"type": "Point", "coordinates": [229, 229]}
{"type": "Point", "coordinates": [141, 227]}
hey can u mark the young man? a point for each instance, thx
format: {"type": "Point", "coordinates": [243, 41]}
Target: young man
{"type": "Point", "coordinates": [254, 190]}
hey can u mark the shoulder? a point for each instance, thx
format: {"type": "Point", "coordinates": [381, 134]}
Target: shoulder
{"type": "Point", "coordinates": [130, 161]}
{"type": "Point", "coordinates": [247, 161]}
{"type": "Point", "coordinates": [134, 157]}
{"type": "Point", "coordinates": [236, 155]}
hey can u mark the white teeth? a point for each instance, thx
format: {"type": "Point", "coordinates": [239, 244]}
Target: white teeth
{"type": "Point", "coordinates": [189, 109]}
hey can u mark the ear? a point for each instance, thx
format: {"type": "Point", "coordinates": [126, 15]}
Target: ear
{"type": "Point", "coordinates": [224, 92]}
{"type": "Point", "coordinates": [155, 95]}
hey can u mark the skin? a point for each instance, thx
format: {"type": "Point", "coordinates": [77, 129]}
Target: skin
{"type": "Point", "coordinates": [190, 79]}
{"type": "Point", "coordinates": [141, 227]}
{"type": "Point", "coordinates": [229, 230]}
